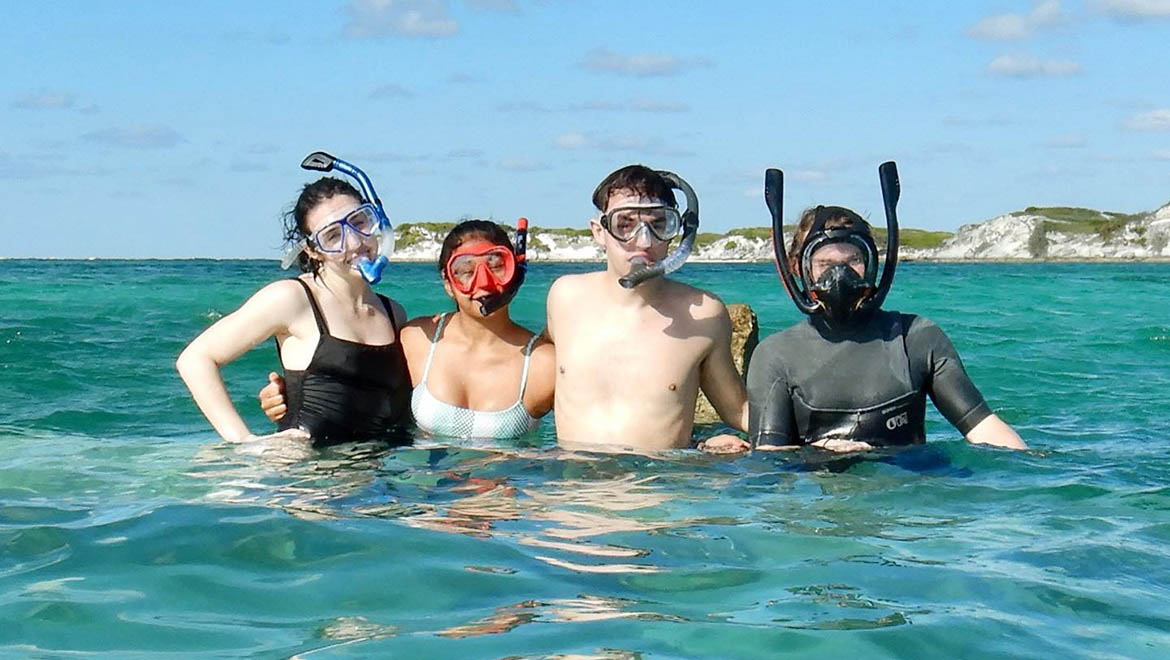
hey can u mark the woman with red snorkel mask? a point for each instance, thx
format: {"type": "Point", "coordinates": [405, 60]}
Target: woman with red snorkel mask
{"type": "Point", "coordinates": [475, 373]}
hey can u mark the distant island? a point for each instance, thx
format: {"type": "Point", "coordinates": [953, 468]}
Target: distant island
{"type": "Point", "coordinates": [1035, 233]}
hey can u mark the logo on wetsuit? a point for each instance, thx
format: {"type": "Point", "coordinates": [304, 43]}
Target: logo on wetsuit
{"type": "Point", "coordinates": [898, 421]}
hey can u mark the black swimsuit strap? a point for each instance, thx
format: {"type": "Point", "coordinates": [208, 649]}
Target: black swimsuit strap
{"type": "Point", "coordinates": [389, 312]}
{"type": "Point", "coordinates": [322, 327]}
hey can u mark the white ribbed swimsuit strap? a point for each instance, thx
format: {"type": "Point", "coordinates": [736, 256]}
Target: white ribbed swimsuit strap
{"type": "Point", "coordinates": [435, 342]}
{"type": "Point", "coordinates": [527, 359]}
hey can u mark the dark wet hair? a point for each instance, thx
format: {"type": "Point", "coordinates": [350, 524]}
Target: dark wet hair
{"type": "Point", "coordinates": [469, 229]}
{"type": "Point", "coordinates": [296, 219]}
{"type": "Point", "coordinates": [839, 217]}
{"type": "Point", "coordinates": [638, 178]}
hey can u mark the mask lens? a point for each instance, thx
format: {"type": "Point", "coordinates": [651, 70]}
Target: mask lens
{"type": "Point", "coordinates": [331, 237]}
{"type": "Point", "coordinates": [497, 262]}
{"type": "Point", "coordinates": [462, 269]}
{"type": "Point", "coordinates": [363, 220]}
{"type": "Point", "coordinates": [663, 222]}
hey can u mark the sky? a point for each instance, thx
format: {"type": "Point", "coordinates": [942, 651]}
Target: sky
{"type": "Point", "coordinates": [159, 129]}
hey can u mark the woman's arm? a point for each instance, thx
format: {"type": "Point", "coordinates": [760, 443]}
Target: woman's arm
{"type": "Point", "coordinates": [542, 379]}
{"type": "Point", "coordinates": [994, 431]}
{"type": "Point", "coordinates": [265, 314]}
{"type": "Point", "coordinates": [952, 391]}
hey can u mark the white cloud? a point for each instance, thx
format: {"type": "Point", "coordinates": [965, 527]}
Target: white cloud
{"type": "Point", "coordinates": [1065, 142]}
{"type": "Point", "coordinates": [1027, 66]}
{"type": "Point", "coordinates": [409, 18]}
{"type": "Point", "coordinates": [642, 65]}
{"type": "Point", "coordinates": [809, 176]}
{"type": "Point", "coordinates": [649, 105]}
{"type": "Point", "coordinates": [493, 5]}
{"type": "Point", "coordinates": [146, 136]}
{"type": "Point", "coordinates": [45, 101]}
{"type": "Point", "coordinates": [521, 165]}
{"type": "Point", "coordinates": [1154, 120]}
{"type": "Point", "coordinates": [1135, 10]}
{"type": "Point", "coordinates": [624, 143]}
{"type": "Point", "coordinates": [390, 90]}
{"type": "Point", "coordinates": [571, 141]}
{"type": "Point", "coordinates": [633, 105]}
{"type": "Point", "coordinates": [1013, 27]}
{"type": "Point", "coordinates": [1164, 154]}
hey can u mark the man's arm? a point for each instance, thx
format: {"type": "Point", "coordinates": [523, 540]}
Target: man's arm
{"type": "Point", "coordinates": [719, 379]}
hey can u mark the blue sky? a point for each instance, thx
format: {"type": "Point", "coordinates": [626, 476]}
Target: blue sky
{"type": "Point", "coordinates": [169, 130]}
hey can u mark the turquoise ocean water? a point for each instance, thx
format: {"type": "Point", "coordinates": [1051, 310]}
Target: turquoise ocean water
{"type": "Point", "coordinates": [127, 530]}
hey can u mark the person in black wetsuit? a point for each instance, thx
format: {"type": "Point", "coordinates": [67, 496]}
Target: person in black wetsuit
{"type": "Point", "coordinates": [854, 376]}
{"type": "Point", "coordinates": [338, 340]}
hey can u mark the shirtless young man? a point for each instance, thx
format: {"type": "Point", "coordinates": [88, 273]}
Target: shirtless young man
{"type": "Point", "coordinates": [631, 362]}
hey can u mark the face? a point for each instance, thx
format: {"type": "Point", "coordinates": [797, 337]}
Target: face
{"type": "Point", "coordinates": [460, 272]}
{"type": "Point", "coordinates": [327, 212]}
{"type": "Point", "coordinates": [643, 248]}
{"type": "Point", "coordinates": [832, 254]}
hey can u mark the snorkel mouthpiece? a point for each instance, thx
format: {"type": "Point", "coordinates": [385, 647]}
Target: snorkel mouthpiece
{"type": "Point", "coordinates": [492, 302]}
{"type": "Point", "coordinates": [370, 267]}
{"type": "Point", "coordinates": [674, 260]}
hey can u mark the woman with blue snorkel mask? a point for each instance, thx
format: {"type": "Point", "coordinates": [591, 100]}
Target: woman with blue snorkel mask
{"type": "Point", "coordinates": [475, 372]}
{"type": "Point", "coordinates": [854, 376]}
{"type": "Point", "coordinates": [338, 340]}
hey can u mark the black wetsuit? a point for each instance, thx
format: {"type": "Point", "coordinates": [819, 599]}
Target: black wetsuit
{"type": "Point", "coordinates": [868, 382]}
{"type": "Point", "coordinates": [349, 391]}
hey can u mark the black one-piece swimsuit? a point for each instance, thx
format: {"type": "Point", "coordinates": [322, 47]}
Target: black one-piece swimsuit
{"type": "Point", "coordinates": [349, 391]}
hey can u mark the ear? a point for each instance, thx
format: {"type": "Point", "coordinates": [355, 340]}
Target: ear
{"type": "Point", "coordinates": [447, 287]}
{"type": "Point", "coordinates": [598, 231]}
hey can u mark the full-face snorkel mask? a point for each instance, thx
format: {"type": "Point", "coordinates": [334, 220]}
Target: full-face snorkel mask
{"type": "Point", "coordinates": [370, 268]}
{"type": "Point", "coordinates": [840, 294]}
{"type": "Point", "coordinates": [690, 228]}
{"type": "Point", "coordinates": [492, 268]}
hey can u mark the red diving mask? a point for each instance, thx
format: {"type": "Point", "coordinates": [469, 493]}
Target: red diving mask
{"type": "Point", "coordinates": [481, 267]}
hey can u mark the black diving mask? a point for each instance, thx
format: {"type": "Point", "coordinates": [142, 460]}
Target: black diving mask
{"type": "Point", "coordinates": [839, 294]}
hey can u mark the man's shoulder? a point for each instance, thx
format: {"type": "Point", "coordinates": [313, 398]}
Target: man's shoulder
{"type": "Point", "coordinates": [575, 283]}
{"type": "Point", "coordinates": [702, 301]}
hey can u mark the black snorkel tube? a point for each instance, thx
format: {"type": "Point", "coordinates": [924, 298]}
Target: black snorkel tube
{"type": "Point", "coordinates": [690, 228]}
{"type": "Point", "coordinates": [774, 198]}
{"type": "Point", "coordinates": [322, 162]}
{"type": "Point", "coordinates": [491, 303]}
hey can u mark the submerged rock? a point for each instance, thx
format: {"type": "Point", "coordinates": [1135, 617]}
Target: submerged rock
{"type": "Point", "coordinates": [745, 335]}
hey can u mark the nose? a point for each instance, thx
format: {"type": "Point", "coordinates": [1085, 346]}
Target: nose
{"type": "Point", "coordinates": [642, 237]}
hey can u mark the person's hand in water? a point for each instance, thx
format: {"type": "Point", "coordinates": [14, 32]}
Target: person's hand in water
{"type": "Point", "coordinates": [271, 397]}
{"type": "Point", "coordinates": [842, 446]}
{"type": "Point", "coordinates": [724, 443]}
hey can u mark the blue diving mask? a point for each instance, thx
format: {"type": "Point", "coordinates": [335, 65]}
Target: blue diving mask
{"type": "Point", "coordinates": [367, 220]}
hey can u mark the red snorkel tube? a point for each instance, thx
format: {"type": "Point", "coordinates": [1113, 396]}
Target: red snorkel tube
{"type": "Point", "coordinates": [489, 304]}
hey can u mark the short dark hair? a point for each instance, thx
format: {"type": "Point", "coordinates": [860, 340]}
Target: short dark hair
{"type": "Point", "coordinates": [296, 219]}
{"type": "Point", "coordinates": [468, 229]}
{"type": "Point", "coordinates": [638, 178]}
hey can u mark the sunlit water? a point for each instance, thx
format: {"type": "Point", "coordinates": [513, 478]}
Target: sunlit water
{"type": "Point", "coordinates": [127, 530]}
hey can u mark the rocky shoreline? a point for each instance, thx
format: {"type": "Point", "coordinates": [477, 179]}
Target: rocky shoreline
{"type": "Point", "coordinates": [1036, 234]}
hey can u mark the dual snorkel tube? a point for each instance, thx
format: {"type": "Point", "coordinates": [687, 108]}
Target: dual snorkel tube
{"type": "Point", "coordinates": [814, 298]}
{"type": "Point", "coordinates": [690, 229]}
{"type": "Point", "coordinates": [371, 269]}
{"type": "Point", "coordinates": [494, 301]}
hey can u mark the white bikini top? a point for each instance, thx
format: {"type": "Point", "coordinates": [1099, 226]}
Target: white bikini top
{"type": "Point", "coordinates": [443, 419]}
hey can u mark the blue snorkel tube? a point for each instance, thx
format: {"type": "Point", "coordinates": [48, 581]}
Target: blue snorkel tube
{"type": "Point", "coordinates": [371, 270]}
{"type": "Point", "coordinates": [774, 198]}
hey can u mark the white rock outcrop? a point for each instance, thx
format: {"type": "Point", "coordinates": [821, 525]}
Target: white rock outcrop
{"type": "Point", "coordinates": [1020, 235]}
